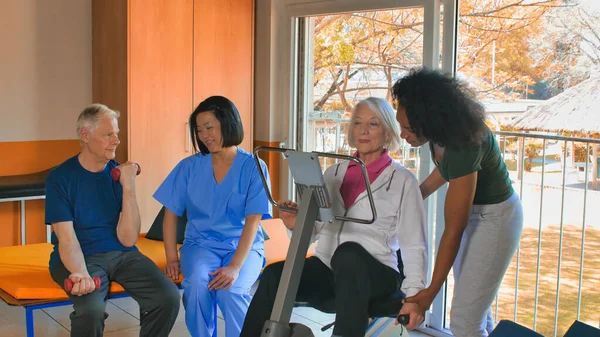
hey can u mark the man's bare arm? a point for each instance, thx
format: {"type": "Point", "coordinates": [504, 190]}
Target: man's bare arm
{"type": "Point", "coordinates": [129, 225]}
{"type": "Point", "coordinates": [72, 257]}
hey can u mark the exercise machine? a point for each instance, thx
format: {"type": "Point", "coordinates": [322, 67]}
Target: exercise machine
{"type": "Point", "coordinates": [314, 204]}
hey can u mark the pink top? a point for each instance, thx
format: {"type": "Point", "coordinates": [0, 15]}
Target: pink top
{"type": "Point", "coordinates": [354, 184]}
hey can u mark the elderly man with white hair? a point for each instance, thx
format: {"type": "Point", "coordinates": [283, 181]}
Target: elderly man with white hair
{"type": "Point", "coordinates": [356, 263]}
{"type": "Point", "coordinates": [96, 223]}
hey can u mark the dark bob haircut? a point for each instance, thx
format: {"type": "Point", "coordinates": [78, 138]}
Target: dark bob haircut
{"type": "Point", "coordinates": [227, 114]}
{"type": "Point", "coordinates": [440, 108]}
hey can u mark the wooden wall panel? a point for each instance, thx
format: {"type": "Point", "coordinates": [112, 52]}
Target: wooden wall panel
{"type": "Point", "coordinates": [25, 158]}
{"type": "Point", "coordinates": [35, 217]}
{"type": "Point", "coordinates": [160, 96]}
{"type": "Point", "coordinates": [224, 56]}
{"type": "Point", "coordinates": [9, 218]}
{"type": "Point", "coordinates": [35, 156]}
{"type": "Point", "coordinates": [109, 62]}
{"type": "Point", "coordinates": [167, 56]}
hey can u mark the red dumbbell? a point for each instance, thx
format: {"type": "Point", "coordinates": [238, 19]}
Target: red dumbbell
{"type": "Point", "coordinates": [69, 283]}
{"type": "Point", "coordinates": [115, 173]}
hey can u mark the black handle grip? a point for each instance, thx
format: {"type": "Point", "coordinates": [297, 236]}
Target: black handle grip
{"type": "Point", "coordinates": [403, 319]}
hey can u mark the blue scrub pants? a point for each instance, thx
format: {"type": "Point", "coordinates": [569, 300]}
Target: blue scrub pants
{"type": "Point", "coordinates": [201, 304]}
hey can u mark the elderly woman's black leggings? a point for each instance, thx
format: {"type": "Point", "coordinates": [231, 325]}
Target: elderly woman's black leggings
{"type": "Point", "coordinates": [354, 279]}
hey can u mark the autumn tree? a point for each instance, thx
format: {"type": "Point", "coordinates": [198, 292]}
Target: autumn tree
{"type": "Point", "coordinates": [494, 44]}
{"type": "Point", "coordinates": [570, 46]}
{"type": "Point", "coordinates": [361, 54]}
{"type": "Point", "coordinates": [358, 54]}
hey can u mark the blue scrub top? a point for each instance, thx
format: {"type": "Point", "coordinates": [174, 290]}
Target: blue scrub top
{"type": "Point", "coordinates": [216, 212]}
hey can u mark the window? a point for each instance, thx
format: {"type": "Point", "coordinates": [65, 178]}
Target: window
{"type": "Point", "coordinates": [516, 55]}
{"type": "Point", "coordinates": [355, 56]}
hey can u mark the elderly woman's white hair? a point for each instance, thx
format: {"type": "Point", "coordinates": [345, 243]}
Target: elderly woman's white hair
{"type": "Point", "coordinates": [386, 114]}
{"type": "Point", "coordinates": [90, 116]}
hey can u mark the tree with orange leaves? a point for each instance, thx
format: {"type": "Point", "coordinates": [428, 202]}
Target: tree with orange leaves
{"type": "Point", "coordinates": [499, 50]}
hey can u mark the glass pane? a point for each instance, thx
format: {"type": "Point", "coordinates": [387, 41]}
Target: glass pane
{"type": "Point", "coordinates": [357, 55]}
{"type": "Point", "coordinates": [516, 56]}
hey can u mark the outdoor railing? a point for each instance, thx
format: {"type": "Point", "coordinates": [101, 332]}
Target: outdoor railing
{"type": "Point", "coordinates": [583, 184]}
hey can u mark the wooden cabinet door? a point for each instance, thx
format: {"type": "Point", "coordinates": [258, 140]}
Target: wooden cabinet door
{"type": "Point", "coordinates": [109, 62]}
{"type": "Point", "coordinates": [224, 56]}
{"type": "Point", "coordinates": [160, 92]}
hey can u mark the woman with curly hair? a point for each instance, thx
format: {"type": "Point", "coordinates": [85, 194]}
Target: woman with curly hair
{"type": "Point", "coordinates": [483, 215]}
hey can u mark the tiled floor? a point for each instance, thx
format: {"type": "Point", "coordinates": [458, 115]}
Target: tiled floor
{"type": "Point", "coordinates": [123, 321]}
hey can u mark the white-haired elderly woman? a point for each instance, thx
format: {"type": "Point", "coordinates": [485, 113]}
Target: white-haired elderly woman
{"type": "Point", "coordinates": [355, 263]}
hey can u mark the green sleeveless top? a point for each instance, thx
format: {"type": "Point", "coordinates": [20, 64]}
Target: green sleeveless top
{"type": "Point", "coordinates": [493, 182]}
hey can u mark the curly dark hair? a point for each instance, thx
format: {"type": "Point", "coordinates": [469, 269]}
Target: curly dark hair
{"type": "Point", "coordinates": [440, 108]}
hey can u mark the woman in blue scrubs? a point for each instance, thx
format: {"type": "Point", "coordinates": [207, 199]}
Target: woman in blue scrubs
{"type": "Point", "coordinates": [221, 191]}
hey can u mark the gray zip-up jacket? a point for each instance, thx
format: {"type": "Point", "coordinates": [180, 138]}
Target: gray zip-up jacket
{"type": "Point", "coordinates": [401, 223]}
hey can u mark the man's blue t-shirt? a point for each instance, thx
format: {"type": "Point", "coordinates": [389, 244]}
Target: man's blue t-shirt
{"type": "Point", "coordinates": [91, 200]}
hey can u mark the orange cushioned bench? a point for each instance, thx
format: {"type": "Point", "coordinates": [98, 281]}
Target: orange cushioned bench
{"type": "Point", "coordinates": [24, 271]}
{"type": "Point", "coordinates": [25, 279]}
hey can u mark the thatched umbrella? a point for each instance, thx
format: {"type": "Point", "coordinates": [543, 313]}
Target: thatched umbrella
{"type": "Point", "coordinates": [575, 111]}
